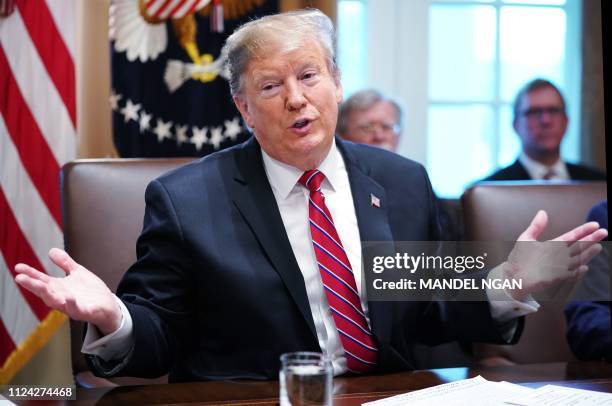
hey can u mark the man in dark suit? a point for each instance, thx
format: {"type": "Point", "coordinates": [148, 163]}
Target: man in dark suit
{"type": "Point", "coordinates": [256, 250]}
{"type": "Point", "coordinates": [540, 121]}
{"type": "Point", "coordinates": [589, 323]}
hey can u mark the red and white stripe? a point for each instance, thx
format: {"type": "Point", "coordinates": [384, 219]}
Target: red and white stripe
{"type": "Point", "coordinates": [338, 280]}
{"type": "Point", "coordinates": [216, 17]}
{"type": "Point", "coordinates": [163, 9]}
{"type": "Point", "coordinates": [37, 136]}
{"type": "Point", "coordinates": [6, 7]}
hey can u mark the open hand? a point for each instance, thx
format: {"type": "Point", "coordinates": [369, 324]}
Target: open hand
{"type": "Point", "coordinates": [541, 265]}
{"type": "Point", "coordinates": [80, 294]}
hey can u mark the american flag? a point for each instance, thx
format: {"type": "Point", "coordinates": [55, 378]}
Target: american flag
{"type": "Point", "coordinates": [37, 136]}
{"type": "Point", "coordinates": [374, 200]}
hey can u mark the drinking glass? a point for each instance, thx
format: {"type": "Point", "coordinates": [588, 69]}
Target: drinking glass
{"type": "Point", "coordinates": [305, 379]}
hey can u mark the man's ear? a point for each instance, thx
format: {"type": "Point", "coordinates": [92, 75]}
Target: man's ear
{"type": "Point", "coordinates": [243, 108]}
{"type": "Point", "coordinates": [515, 125]}
{"type": "Point", "coordinates": [338, 82]}
{"type": "Point", "coordinates": [566, 122]}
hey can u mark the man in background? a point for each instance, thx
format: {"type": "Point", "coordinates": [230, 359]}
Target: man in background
{"type": "Point", "coordinates": [540, 121]}
{"type": "Point", "coordinates": [589, 327]}
{"type": "Point", "coordinates": [369, 117]}
{"type": "Point", "coordinates": [372, 118]}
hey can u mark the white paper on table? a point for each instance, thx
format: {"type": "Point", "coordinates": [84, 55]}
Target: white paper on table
{"type": "Point", "coordinates": [470, 392]}
{"type": "Point", "coordinates": [550, 395]}
{"type": "Point", "coordinates": [5, 402]}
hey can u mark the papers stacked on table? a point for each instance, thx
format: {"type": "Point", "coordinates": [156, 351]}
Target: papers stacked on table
{"type": "Point", "coordinates": [480, 392]}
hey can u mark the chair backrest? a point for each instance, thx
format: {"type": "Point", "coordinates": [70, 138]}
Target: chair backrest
{"type": "Point", "coordinates": [500, 211]}
{"type": "Point", "coordinates": [102, 214]}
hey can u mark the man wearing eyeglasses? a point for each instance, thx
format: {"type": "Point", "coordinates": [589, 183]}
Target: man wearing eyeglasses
{"type": "Point", "coordinates": [540, 120]}
{"type": "Point", "coordinates": [369, 117]}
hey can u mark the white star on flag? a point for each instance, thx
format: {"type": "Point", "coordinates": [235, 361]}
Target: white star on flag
{"type": "Point", "coordinates": [162, 130]}
{"type": "Point", "coordinates": [114, 100]}
{"type": "Point", "coordinates": [216, 137]}
{"type": "Point", "coordinates": [181, 134]}
{"type": "Point", "coordinates": [130, 111]}
{"type": "Point", "coordinates": [144, 122]}
{"type": "Point", "coordinates": [232, 128]}
{"type": "Point", "coordinates": [199, 137]}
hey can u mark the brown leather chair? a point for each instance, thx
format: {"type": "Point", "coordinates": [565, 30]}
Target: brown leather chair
{"type": "Point", "coordinates": [102, 213]}
{"type": "Point", "coordinates": [500, 211]}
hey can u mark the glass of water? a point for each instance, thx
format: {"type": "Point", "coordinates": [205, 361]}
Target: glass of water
{"type": "Point", "coordinates": [305, 379]}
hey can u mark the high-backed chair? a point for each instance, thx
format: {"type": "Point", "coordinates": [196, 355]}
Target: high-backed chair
{"type": "Point", "coordinates": [102, 213]}
{"type": "Point", "coordinates": [500, 211]}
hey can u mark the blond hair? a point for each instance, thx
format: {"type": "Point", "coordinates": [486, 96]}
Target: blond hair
{"type": "Point", "coordinates": [289, 31]}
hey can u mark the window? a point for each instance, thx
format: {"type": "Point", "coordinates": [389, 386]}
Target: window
{"type": "Point", "coordinates": [351, 39]}
{"type": "Point", "coordinates": [457, 65]}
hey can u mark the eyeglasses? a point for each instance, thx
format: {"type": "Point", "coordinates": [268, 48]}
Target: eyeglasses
{"type": "Point", "coordinates": [538, 112]}
{"type": "Point", "coordinates": [370, 128]}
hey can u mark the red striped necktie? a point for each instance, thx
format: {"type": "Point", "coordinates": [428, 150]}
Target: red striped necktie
{"type": "Point", "coordinates": [338, 280]}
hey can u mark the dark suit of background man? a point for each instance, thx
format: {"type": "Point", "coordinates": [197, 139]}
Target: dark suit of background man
{"type": "Point", "coordinates": [540, 121]}
{"type": "Point", "coordinates": [227, 276]}
{"type": "Point", "coordinates": [589, 323]}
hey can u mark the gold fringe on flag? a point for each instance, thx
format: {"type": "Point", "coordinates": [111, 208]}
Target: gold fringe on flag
{"type": "Point", "coordinates": [31, 345]}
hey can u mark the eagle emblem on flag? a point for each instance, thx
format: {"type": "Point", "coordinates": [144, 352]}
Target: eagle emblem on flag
{"type": "Point", "coordinates": [170, 95]}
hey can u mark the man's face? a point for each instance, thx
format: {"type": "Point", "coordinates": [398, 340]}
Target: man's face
{"type": "Point", "coordinates": [541, 122]}
{"type": "Point", "coordinates": [290, 100]}
{"type": "Point", "coordinates": [377, 125]}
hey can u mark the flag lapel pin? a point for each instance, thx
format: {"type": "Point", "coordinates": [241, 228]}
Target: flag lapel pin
{"type": "Point", "coordinates": [375, 201]}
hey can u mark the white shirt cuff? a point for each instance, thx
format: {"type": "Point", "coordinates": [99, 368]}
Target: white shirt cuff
{"type": "Point", "coordinates": [114, 345]}
{"type": "Point", "coordinates": [503, 307]}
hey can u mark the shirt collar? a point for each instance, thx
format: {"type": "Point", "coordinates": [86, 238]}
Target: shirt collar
{"type": "Point", "coordinates": [283, 178]}
{"type": "Point", "coordinates": [537, 170]}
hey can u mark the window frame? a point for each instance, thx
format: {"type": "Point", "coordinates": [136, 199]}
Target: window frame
{"type": "Point", "coordinates": [397, 63]}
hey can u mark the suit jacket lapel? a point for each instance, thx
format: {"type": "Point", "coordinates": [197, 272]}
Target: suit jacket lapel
{"type": "Point", "coordinates": [373, 224]}
{"type": "Point", "coordinates": [372, 219]}
{"type": "Point", "coordinates": [521, 172]}
{"type": "Point", "coordinates": [253, 196]}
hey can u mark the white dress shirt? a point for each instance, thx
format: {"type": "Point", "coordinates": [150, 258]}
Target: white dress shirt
{"type": "Point", "coordinates": [292, 200]}
{"type": "Point", "coordinates": [537, 170]}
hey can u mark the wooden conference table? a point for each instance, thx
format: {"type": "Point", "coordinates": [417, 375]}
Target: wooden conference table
{"type": "Point", "coordinates": [355, 390]}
